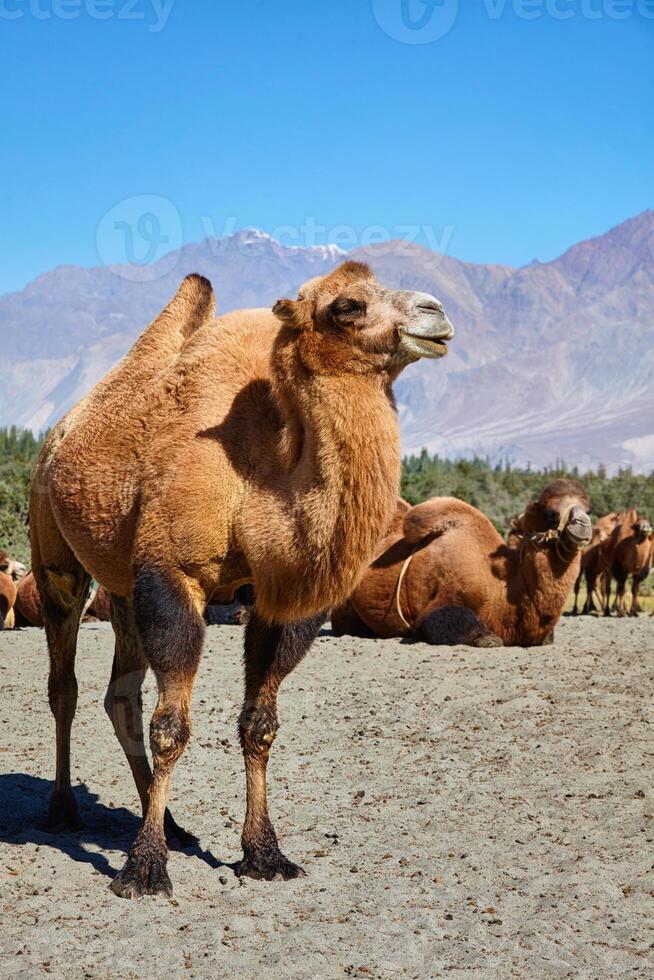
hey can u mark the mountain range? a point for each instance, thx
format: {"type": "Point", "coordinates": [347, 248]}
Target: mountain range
{"type": "Point", "coordinates": [550, 361]}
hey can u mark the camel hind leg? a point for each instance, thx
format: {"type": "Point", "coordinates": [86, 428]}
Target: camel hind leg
{"type": "Point", "coordinates": [171, 631]}
{"type": "Point", "coordinates": [63, 585]}
{"type": "Point", "coordinates": [124, 705]}
{"type": "Point", "coordinates": [451, 625]}
{"type": "Point", "coordinates": [589, 603]}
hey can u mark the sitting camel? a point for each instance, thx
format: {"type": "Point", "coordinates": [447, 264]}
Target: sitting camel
{"type": "Point", "coordinates": [7, 601]}
{"type": "Point", "coordinates": [595, 562]}
{"type": "Point", "coordinates": [444, 575]}
{"type": "Point", "coordinates": [261, 448]}
{"type": "Point", "coordinates": [28, 603]}
{"type": "Point", "coordinates": [29, 610]}
{"type": "Point", "coordinates": [631, 554]}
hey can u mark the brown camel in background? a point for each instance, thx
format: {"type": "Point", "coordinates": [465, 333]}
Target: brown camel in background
{"type": "Point", "coordinates": [631, 550]}
{"type": "Point", "coordinates": [29, 610]}
{"type": "Point", "coordinates": [596, 561]}
{"type": "Point", "coordinates": [444, 575]}
{"type": "Point", "coordinates": [14, 569]}
{"type": "Point", "coordinates": [28, 603]}
{"type": "Point", "coordinates": [263, 449]}
{"type": "Point", "coordinates": [7, 601]}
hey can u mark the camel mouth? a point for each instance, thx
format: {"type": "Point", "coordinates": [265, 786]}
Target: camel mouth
{"type": "Point", "coordinates": [431, 347]}
{"type": "Point", "coordinates": [579, 529]}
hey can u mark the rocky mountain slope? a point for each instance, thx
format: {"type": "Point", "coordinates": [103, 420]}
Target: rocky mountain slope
{"type": "Point", "coordinates": [553, 360]}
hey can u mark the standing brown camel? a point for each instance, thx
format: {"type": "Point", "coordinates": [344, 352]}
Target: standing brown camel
{"type": "Point", "coordinates": [630, 555]}
{"type": "Point", "coordinates": [595, 562]}
{"type": "Point", "coordinates": [444, 575]}
{"type": "Point", "coordinates": [262, 448]}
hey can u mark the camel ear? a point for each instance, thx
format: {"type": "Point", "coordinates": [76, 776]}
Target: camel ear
{"type": "Point", "coordinates": [294, 313]}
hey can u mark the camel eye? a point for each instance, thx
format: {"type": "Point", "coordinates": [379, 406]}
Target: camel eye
{"type": "Point", "coordinates": [345, 310]}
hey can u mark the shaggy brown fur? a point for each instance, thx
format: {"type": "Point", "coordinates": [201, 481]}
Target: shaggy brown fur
{"type": "Point", "coordinates": [595, 562]}
{"type": "Point", "coordinates": [463, 584]}
{"type": "Point", "coordinates": [7, 601]}
{"type": "Point", "coordinates": [630, 554]}
{"type": "Point", "coordinates": [262, 448]}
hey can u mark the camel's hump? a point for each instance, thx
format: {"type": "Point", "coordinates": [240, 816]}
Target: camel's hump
{"type": "Point", "coordinates": [434, 517]}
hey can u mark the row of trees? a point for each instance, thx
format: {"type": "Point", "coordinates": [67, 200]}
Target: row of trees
{"type": "Point", "coordinates": [18, 451]}
{"type": "Point", "coordinates": [500, 491]}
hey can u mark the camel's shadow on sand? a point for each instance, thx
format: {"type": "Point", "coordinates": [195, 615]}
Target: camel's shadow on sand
{"type": "Point", "coordinates": [24, 804]}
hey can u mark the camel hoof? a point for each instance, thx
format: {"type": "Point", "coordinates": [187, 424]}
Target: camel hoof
{"type": "Point", "coordinates": [63, 814]}
{"type": "Point", "coordinates": [269, 867]}
{"type": "Point", "coordinates": [148, 876]}
{"type": "Point", "coordinates": [177, 838]}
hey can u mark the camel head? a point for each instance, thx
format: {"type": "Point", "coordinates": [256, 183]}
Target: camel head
{"type": "Point", "coordinates": [346, 322]}
{"type": "Point", "coordinates": [14, 569]}
{"type": "Point", "coordinates": [560, 514]}
{"type": "Point", "coordinates": [642, 529]}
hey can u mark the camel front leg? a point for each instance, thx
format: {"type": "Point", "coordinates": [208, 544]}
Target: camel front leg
{"type": "Point", "coordinates": [450, 625]}
{"type": "Point", "coordinates": [606, 583]}
{"type": "Point", "coordinates": [271, 653]}
{"type": "Point", "coordinates": [575, 608]}
{"type": "Point", "coordinates": [171, 631]}
{"type": "Point", "coordinates": [621, 599]}
{"type": "Point", "coordinates": [636, 581]}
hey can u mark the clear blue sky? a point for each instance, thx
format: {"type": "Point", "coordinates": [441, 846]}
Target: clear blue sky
{"type": "Point", "coordinates": [510, 137]}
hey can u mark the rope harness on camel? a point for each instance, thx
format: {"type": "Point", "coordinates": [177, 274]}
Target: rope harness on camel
{"type": "Point", "coordinates": [398, 587]}
{"type": "Point", "coordinates": [540, 538]}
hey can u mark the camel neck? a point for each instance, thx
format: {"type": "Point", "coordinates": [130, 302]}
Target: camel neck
{"type": "Point", "coordinates": [544, 580]}
{"type": "Point", "coordinates": [334, 491]}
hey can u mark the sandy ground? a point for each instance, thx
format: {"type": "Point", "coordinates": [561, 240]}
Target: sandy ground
{"type": "Point", "coordinates": [479, 813]}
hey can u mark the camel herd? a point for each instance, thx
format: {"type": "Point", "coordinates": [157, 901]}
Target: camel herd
{"type": "Point", "coordinates": [261, 449]}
